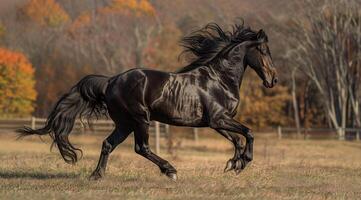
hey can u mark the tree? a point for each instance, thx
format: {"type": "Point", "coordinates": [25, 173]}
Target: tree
{"type": "Point", "coordinates": [326, 47]}
{"type": "Point", "coordinates": [51, 87]}
{"type": "Point", "coordinates": [45, 13]}
{"type": "Point", "coordinates": [163, 51]}
{"type": "Point", "coordinates": [143, 19]}
{"type": "Point", "coordinates": [17, 93]}
{"type": "Point", "coordinates": [38, 30]}
{"type": "Point", "coordinates": [261, 107]}
{"type": "Point", "coordinates": [2, 30]}
{"type": "Point", "coordinates": [117, 33]}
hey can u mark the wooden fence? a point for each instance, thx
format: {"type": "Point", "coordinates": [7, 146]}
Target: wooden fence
{"type": "Point", "coordinates": [94, 127]}
{"type": "Point", "coordinates": [307, 133]}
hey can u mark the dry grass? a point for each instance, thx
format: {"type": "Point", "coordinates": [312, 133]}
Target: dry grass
{"type": "Point", "coordinates": [282, 169]}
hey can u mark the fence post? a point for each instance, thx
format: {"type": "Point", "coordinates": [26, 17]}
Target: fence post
{"type": "Point", "coordinates": [167, 130]}
{"type": "Point", "coordinates": [195, 134]}
{"type": "Point", "coordinates": [33, 122]}
{"type": "Point", "coordinates": [357, 135]}
{"type": "Point", "coordinates": [341, 133]}
{"type": "Point", "coordinates": [82, 128]}
{"type": "Point", "coordinates": [307, 136]}
{"type": "Point", "coordinates": [157, 137]}
{"type": "Point", "coordinates": [279, 131]}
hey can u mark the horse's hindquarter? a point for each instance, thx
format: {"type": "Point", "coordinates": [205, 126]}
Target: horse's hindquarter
{"type": "Point", "coordinates": [179, 102]}
{"type": "Point", "coordinates": [127, 94]}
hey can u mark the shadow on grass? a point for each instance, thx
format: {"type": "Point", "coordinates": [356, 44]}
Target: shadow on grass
{"type": "Point", "coordinates": [35, 175]}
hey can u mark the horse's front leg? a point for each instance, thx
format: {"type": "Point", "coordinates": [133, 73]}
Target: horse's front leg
{"type": "Point", "coordinates": [238, 148]}
{"type": "Point", "coordinates": [229, 124]}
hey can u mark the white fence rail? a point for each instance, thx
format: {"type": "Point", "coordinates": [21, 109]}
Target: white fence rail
{"type": "Point", "coordinates": [307, 133]}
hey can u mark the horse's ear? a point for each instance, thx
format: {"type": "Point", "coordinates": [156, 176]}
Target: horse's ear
{"type": "Point", "coordinates": [261, 36]}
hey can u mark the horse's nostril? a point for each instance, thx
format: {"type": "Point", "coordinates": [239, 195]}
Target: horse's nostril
{"type": "Point", "coordinates": [275, 80]}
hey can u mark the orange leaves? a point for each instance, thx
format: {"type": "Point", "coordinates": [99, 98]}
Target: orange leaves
{"type": "Point", "coordinates": [81, 21]}
{"type": "Point", "coordinates": [125, 4]}
{"type": "Point", "coordinates": [45, 12]}
{"type": "Point", "coordinates": [129, 7]}
{"type": "Point", "coordinates": [15, 60]}
{"type": "Point", "coordinates": [146, 7]}
{"type": "Point", "coordinates": [17, 92]}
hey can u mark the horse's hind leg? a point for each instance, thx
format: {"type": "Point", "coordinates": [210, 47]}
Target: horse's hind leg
{"type": "Point", "coordinates": [109, 144]}
{"type": "Point", "coordinates": [141, 137]}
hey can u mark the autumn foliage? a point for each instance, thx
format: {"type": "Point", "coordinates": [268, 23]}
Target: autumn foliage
{"type": "Point", "coordinates": [163, 51]}
{"type": "Point", "coordinates": [261, 107]}
{"type": "Point", "coordinates": [45, 12]}
{"type": "Point", "coordinates": [17, 92]}
{"type": "Point", "coordinates": [131, 7]}
{"type": "Point", "coordinates": [68, 39]}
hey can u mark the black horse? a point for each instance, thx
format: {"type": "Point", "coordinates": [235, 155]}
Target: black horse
{"type": "Point", "coordinates": [203, 94]}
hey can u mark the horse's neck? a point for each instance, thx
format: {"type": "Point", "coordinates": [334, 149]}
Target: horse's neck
{"type": "Point", "coordinates": [231, 74]}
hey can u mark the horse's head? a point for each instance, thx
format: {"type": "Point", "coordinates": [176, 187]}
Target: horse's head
{"type": "Point", "coordinates": [240, 47]}
{"type": "Point", "coordinates": [258, 57]}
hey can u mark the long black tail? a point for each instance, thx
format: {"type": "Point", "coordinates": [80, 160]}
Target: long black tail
{"type": "Point", "coordinates": [84, 100]}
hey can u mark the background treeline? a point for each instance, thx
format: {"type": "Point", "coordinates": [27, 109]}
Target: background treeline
{"type": "Point", "coordinates": [315, 46]}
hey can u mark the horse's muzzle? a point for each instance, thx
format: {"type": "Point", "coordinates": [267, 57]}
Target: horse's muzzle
{"type": "Point", "coordinates": [271, 83]}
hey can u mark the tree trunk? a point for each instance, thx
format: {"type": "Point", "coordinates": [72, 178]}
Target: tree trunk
{"type": "Point", "coordinates": [295, 103]}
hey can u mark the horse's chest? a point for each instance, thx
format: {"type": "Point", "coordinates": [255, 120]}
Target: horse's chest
{"type": "Point", "coordinates": [229, 103]}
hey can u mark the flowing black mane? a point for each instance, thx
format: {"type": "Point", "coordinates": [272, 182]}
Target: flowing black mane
{"type": "Point", "coordinates": [205, 44]}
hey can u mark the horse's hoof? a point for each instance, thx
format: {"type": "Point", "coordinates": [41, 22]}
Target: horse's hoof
{"type": "Point", "coordinates": [237, 171]}
{"type": "Point", "coordinates": [229, 166]}
{"type": "Point", "coordinates": [172, 176]}
{"type": "Point", "coordinates": [240, 165]}
{"type": "Point", "coordinates": [95, 176]}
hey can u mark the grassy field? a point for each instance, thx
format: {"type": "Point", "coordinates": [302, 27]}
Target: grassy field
{"type": "Point", "coordinates": [282, 169]}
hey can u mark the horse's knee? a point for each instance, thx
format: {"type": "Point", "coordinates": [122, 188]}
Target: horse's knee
{"type": "Point", "coordinates": [217, 124]}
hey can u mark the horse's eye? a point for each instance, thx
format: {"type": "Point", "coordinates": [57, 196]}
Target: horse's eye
{"type": "Point", "coordinates": [262, 51]}
{"type": "Point", "coordinates": [237, 49]}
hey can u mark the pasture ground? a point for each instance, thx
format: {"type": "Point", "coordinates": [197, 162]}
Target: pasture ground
{"type": "Point", "coordinates": [282, 169]}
